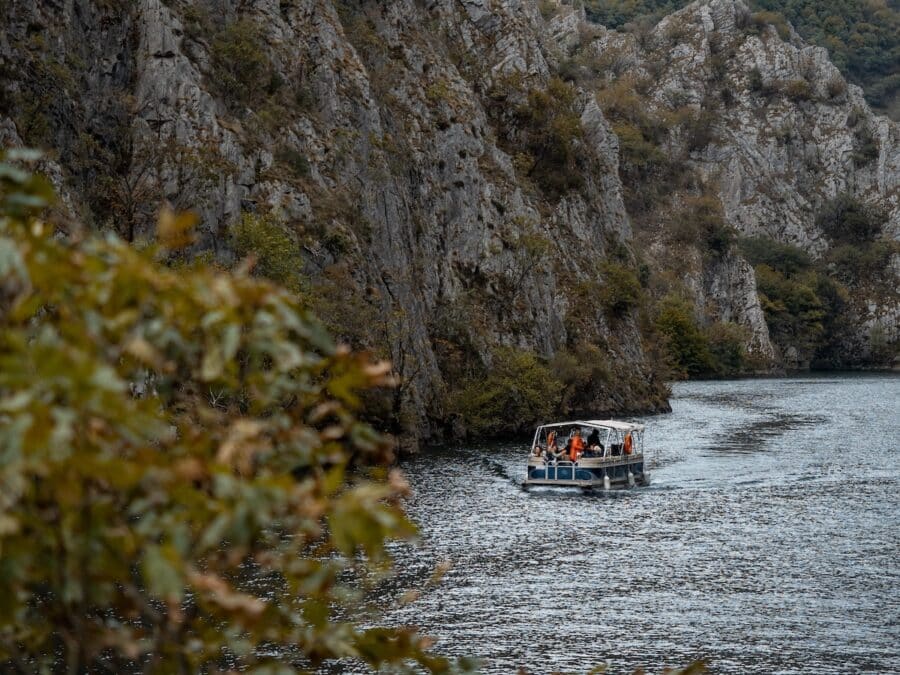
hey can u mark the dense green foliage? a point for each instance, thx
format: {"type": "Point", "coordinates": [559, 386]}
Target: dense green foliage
{"type": "Point", "coordinates": [276, 253]}
{"type": "Point", "coordinates": [806, 301]}
{"type": "Point", "coordinates": [540, 127]}
{"type": "Point", "coordinates": [619, 13]}
{"type": "Point", "coordinates": [241, 68]}
{"type": "Point", "coordinates": [640, 131]}
{"type": "Point", "coordinates": [794, 311]}
{"type": "Point", "coordinates": [182, 467]}
{"type": "Point", "coordinates": [687, 347]}
{"type": "Point", "coordinates": [693, 350]}
{"type": "Point", "coordinates": [863, 38]}
{"type": "Point", "coordinates": [726, 347]}
{"type": "Point", "coordinates": [701, 221]}
{"type": "Point", "coordinates": [846, 220]}
{"type": "Point", "coordinates": [552, 132]}
{"type": "Point", "coordinates": [804, 308]}
{"type": "Point", "coordinates": [517, 391]}
{"type": "Point", "coordinates": [621, 289]}
{"type": "Point", "coordinates": [859, 257]}
{"type": "Point", "coordinates": [786, 259]}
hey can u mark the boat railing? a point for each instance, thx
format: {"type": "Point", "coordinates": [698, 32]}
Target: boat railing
{"type": "Point", "coordinates": [618, 458]}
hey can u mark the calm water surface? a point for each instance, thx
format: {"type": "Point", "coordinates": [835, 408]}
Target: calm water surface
{"type": "Point", "coordinates": [769, 541]}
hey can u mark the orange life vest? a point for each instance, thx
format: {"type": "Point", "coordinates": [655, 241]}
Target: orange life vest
{"type": "Point", "coordinates": [627, 444]}
{"type": "Point", "coordinates": [576, 448]}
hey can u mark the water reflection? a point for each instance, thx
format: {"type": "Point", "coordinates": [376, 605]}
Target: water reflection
{"type": "Point", "coordinates": [768, 541]}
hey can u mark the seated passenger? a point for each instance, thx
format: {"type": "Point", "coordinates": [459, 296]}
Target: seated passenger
{"type": "Point", "coordinates": [551, 450]}
{"type": "Point", "coordinates": [594, 446]}
{"type": "Point", "coordinates": [576, 446]}
{"type": "Point", "coordinates": [553, 453]}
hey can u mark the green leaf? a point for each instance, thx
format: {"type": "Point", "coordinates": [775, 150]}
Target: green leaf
{"type": "Point", "coordinates": [14, 174]}
{"type": "Point", "coordinates": [23, 155]}
{"type": "Point", "coordinates": [11, 262]}
{"type": "Point", "coordinates": [162, 574]}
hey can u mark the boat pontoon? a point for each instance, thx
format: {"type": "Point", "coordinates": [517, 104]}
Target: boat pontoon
{"type": "Point", "coordinates": [607, 454]}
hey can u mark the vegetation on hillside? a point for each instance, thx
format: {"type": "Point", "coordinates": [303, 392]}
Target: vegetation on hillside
{"type": "Point", "coordinates": [187, 485]}
{"type": "Point", "coordinates": [863, 38]}
{"type": "Point", "coordinates": [807, 301]}
{"type": "Point", "coordinates": [183, 470]}
{"type": "Point", "coordinates": [541, 128]}
{"type": "Point", "coordinates": [694, 350]}
{"type": "Point", "coordinates": [807, 305]}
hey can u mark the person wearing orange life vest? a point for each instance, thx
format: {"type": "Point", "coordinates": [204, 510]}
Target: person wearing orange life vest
{"type": "Point", "coordinates": [576, 447]}
{"type": "Point", "coordinates": [628, 443]}
{"type": "Point", "coordinates": [553, 451]}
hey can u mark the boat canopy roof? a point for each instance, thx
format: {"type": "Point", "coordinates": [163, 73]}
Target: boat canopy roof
{"type": "Point", "coordinates": [601, 424]}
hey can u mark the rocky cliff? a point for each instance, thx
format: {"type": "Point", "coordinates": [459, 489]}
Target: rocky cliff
{"type": "Point", "coordinates": [771, 129]}
{"type": "Point", "coordinates": [365, 128]}
{"type": "Point", "coordinates": [433, 175]}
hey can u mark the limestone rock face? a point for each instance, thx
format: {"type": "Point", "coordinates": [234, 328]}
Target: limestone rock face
{"type": "Point", "coordinates": [785, 135]}
{"type": "Point", "coordinates": [402, 162]}
{"type": "Point", "coordinates": [389, 138]}
{"type": "Point", "coordinates": [730, 286]}
{"type": "Point", "coordinates": [789, 140]}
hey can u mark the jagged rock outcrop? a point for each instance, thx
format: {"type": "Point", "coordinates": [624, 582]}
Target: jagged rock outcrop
{"type": "Point", "coordinates": [789, 140]}
{"type": "Point", "coordinates": [414, 200]}
{"type": "Point", "coordinates": [412, 153]}
{"type": "Point", "coordinates": [780, 135]}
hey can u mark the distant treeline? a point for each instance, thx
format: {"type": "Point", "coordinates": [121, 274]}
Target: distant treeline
{"type": "Point", "coordinates": [863, 38]}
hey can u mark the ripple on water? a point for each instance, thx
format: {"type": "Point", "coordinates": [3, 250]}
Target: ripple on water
{"type": "Point", "coordinates": [768, 541]}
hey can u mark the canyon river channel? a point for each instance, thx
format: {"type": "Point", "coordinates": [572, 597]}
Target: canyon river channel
{"type": "Point", "coordinates": [768, 542]}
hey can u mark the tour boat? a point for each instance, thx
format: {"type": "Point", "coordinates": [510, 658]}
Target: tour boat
{"type": "Point", "coordinates": [609, 454]}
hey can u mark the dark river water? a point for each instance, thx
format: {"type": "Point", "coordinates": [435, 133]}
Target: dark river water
{"type": "Point", "coordinates": [768, 542]}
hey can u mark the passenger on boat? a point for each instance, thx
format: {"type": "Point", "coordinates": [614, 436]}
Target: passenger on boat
{"type": "Point", "coordinates": [553, 451]}
{"type": "Point", "coordinates": [552, 448]}
{"type": "Point", "coordinates": [593, 443]}
{"type": "Point", "coordinates": [576, 446]}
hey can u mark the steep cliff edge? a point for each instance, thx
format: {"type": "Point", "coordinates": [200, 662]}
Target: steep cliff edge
{"type": "Point", "coordinates": [769, 128]}
{"type": "Point", "coordinates": [453, 183]}
{"type": "Point", "coordinates": [435, 207]}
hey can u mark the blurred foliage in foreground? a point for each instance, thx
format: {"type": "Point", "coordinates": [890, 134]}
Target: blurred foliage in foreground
{"type": "Point", "coordinates": [174, 446]}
